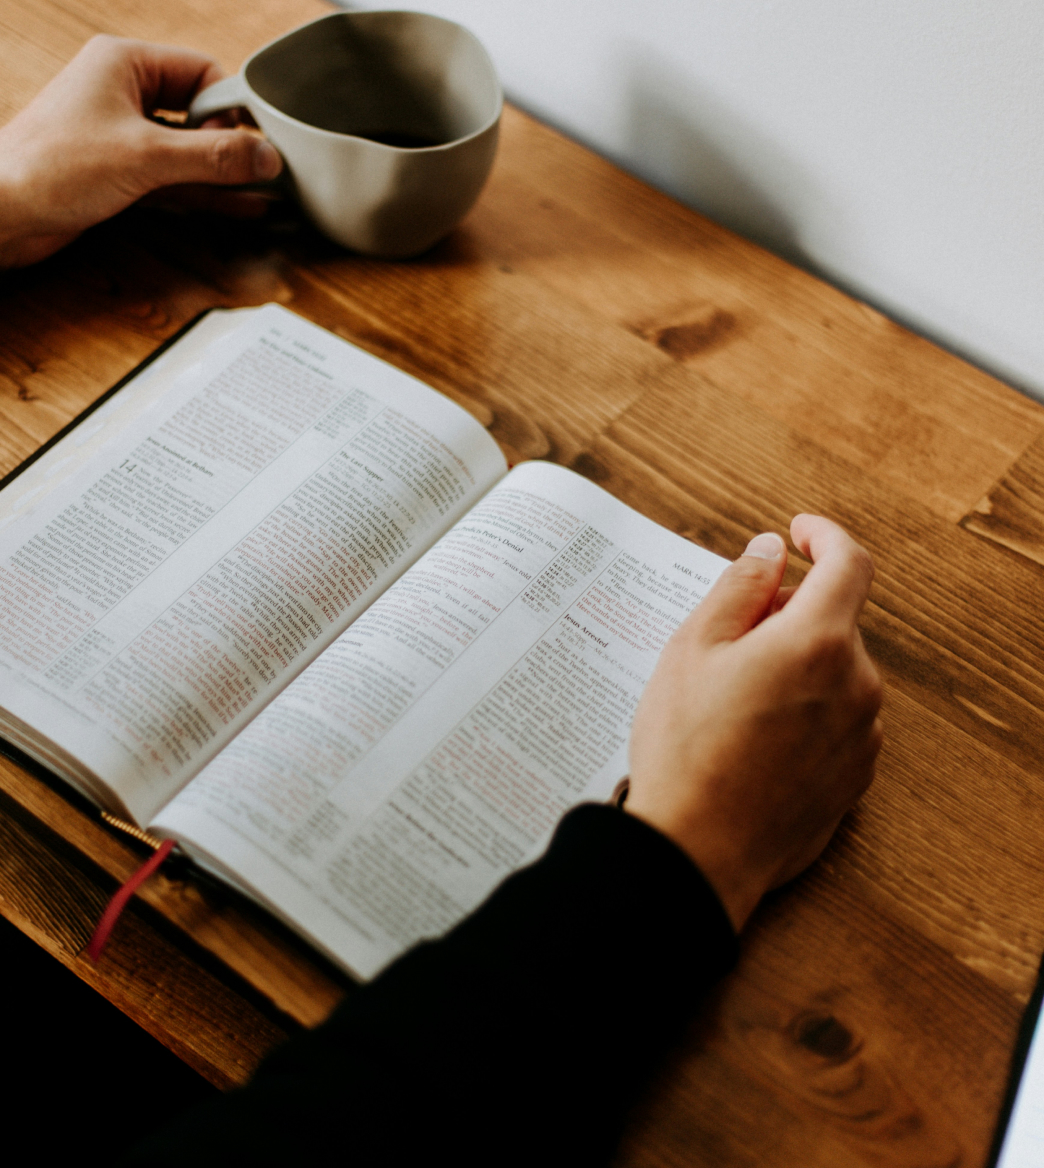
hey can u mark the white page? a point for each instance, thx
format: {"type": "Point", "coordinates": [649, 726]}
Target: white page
{"type": "Point", "coordinates": [156, 598]}
{"type": "Point", "coordinates": [433, 748]}
{"type": "Point", "coordinates": [1023, 1145]}
{"type": "Point", "coordinates": [76, 450]}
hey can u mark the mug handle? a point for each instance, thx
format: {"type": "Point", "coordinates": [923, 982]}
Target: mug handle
{"type": "Point", "coordinates": [222, 95]}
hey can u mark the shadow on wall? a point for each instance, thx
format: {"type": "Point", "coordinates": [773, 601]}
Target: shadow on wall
{"type": "Point", "coordinates": [685, 141]}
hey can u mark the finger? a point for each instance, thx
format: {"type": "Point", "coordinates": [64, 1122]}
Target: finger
{"type": "Point", "coordinates": [857, 778]}
{"type": "Point", "coordinates": [838, 583]}
{"type": "Point", "coordinates": [163, 76]}
{"type": "Point", "coordinates": [780, 600]}
{"type": "Point", "coordinates": [867, 679]}
{"type": "Point", "coordinates": [227, 118]}
{"type": "Point", "coordinates": [217, 200]}
{"type": "Point", "coordinates": [862, 763]}
{"type": "Point", "coordinates": [171, 76]}
{"type": "Point", "coordinates": [876, 742]}
{"type": "Point", "coordinates": [220, 157]}
{"type": "Point", "coordinates": [743, 593]}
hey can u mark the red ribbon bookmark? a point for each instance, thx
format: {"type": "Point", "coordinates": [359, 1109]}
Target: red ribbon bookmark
{"type": "Point", "coordinates": [119, 902]}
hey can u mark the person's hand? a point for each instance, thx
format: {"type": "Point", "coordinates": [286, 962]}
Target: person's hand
{"type": "Point", "coordinates": [85, 147]}
{"type": "Point", "coordinates": [758, 729]}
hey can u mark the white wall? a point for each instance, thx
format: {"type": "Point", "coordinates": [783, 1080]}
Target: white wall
{"type": "Point", "coordinates": [894, 146]}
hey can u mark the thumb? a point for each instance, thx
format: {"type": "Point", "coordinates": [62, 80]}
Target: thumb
{"type": "Point", "coordinates": [744, 592]}
{"type": "Point", "coordinates": [222, 157]}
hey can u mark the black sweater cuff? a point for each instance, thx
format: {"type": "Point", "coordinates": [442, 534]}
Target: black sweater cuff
{"type": "Point", "coordinates": [520, 1037]}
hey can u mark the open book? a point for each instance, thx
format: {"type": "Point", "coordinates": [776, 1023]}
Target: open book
{"type": "Point", "coordinates": [285, 604]}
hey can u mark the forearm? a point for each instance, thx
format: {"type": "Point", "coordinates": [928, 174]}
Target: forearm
{"type": "Point", "coordinates": [16, 218]}
{"type": "Point", "coordinates": [46, 194]}
{"type": "Point", "coordinates": [521, 1037]}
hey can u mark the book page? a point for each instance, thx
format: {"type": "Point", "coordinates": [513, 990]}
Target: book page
{"type": "Point", "coordinates": [143, 392]}
{"type": "Point", "coordinates": [433, 748]}
{"type": "Point", "coordinates": [155, 599]}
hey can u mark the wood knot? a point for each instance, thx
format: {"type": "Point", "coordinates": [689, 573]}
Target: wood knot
{"type": "Point", "coordinates": [682, 341]}
{"type": "Point", "coordinates": [825, 1036]}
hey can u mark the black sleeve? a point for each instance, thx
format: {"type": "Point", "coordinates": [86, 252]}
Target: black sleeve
{"type": "Point", "coordinates": [519, 1038]}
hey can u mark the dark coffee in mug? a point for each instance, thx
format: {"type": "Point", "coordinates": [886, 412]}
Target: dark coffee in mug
{"type": "Point", "coordinates": [387, 122]}
{"type": "Point", "coordinates": [401, 138]}
{"type": "Point", "coordinates": [362, 79]}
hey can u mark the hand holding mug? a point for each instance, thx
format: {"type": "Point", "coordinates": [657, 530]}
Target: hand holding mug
{"type": "Point", "coordinates": [85, 147]}
{"type": "Point", "coordinates": [388, 121]}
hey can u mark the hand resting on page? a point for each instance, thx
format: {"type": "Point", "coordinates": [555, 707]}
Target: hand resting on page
{"type": "Point", "coordinates": [759, 728]}
{"type": "Point", "coordinates": [86, 147]}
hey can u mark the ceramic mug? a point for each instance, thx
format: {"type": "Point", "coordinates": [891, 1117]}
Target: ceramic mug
{"type": "Point", "coordinates": [387, 123]}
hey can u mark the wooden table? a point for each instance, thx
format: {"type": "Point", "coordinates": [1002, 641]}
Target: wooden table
{"type": "Point", "coordinates": [587, 319]}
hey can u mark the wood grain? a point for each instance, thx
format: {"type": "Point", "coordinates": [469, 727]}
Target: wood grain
{"type": "Point", "coordinates": [54, 895]}
{"type": "Point", "coordinates": [585, 318]}
{"type": "Point", "coordinates": [248, 941]}
{"type": "Point", "coordinates": [1011, 513]}
{"type": "Point", "coordinates": [832, 368]}
{"type": "Point", "coordinates": [834, 1044]}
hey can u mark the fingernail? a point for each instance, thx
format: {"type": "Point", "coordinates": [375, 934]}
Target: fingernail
{"type": "Point", "coordinates": [267, 160]}
{"type": "Point", "coordinates": [767, 546]}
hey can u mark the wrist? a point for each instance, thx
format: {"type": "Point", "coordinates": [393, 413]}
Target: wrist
{"type": "Point", "coordinates": [12, 216]}
{"type": "Point", "coordinates": [739, 886]}
{"type": "Point", "coordinates": [27, 234]}
{"type": "Point", "coordinates": [17, 218]}
{"type": "Point", "coordinates": [739, 890]}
